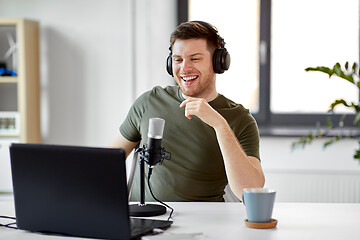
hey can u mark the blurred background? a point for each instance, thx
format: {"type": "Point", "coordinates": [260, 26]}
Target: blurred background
{"type": "Point", "coordinates": [96, 57]}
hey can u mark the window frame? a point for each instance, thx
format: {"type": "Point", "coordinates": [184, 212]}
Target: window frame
{"type": "Point", "coordinates": [275, 124]}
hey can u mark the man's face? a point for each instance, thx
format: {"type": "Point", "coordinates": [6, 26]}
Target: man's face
{"type": "Point", "coordinates": [192, 68]}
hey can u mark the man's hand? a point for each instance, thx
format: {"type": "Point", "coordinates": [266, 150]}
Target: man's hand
{"type": "Point", "coordinates": [201, 108]}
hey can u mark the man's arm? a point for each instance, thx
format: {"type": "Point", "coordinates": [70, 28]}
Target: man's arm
{"type": "Point", "coordinates": [120, 142]}
{"type": "Point", "coordinates": [242, 171]}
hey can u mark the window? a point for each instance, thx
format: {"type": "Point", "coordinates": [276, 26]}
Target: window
{"type": "Point", "coordinates": [305, 34]}
{"type": "Point", "coordinates": [271, 42]}
{"type": "Point", "coordinates": [237, 22]}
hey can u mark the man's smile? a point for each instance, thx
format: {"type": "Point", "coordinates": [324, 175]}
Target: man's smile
{"type": "Point", "coordinates": [189, 78]}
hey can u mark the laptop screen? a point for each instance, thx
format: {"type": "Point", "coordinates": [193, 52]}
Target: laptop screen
{"type": "Point", "coordinates": [79, 191]}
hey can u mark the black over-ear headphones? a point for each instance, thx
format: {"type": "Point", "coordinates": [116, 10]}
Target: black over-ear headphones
{"type": "Point", "coordinates": [221, 57]}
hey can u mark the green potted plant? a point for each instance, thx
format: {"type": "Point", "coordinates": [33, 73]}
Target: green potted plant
{"type": "Point", "coordinates": [350, 74]}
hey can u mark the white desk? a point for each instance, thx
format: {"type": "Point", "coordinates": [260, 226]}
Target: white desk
{"type": "Point", "coordinates": [304, 221]}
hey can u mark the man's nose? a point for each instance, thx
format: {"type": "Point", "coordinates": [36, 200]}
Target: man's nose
{"type": "Point", "coordinates": [187, 65]}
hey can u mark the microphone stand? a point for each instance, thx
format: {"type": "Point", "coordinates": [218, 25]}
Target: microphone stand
{"type": "Point", "coordinates": [143, 209]}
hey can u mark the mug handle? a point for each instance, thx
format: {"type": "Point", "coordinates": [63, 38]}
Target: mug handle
{"type": "Point", "coordinates": [243, 200]}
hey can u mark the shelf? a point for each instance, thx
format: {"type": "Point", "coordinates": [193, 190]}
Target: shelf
{"type": "Point", "coordinates": [11, 21]}
{"type": "Point", "coordinates": [9, 80]}
{"type": "Point", "coordinates": [21, 93]}
{"type": "Point", "coordinates": [6, 136]}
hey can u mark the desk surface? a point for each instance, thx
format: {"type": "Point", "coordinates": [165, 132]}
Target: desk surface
{"type": "Point", "coordinates": [303, 221]}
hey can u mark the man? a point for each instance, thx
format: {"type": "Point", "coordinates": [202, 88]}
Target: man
{"type": "Point", "coordinates": [212, 140]}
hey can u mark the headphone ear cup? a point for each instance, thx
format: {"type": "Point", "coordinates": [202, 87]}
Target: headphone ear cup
{"type": "Point", "coordinates": [216, 61]}
{"type": "Point", "coordinates": [225, 60]}
{"type": "Point", "coordinates": [221, 60]}
{"type": "Point", "coordinates": [169, 65]}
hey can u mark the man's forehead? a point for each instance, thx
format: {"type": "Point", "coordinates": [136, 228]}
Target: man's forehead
{"type": "Point", "coordinates": [189, 47]}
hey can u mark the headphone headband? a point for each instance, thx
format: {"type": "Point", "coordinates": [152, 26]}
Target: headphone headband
{"type": "Point", "coordinates": [213, 29]}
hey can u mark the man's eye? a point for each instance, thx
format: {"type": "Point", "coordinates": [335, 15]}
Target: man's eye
{"type": "Point", "coordinates": [195, 59]}
{"type": "Point", "coordinates": [177, 59]}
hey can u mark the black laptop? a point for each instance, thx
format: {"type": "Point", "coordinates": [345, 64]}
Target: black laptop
{"type": "Point", "coordinates": [77, 191]}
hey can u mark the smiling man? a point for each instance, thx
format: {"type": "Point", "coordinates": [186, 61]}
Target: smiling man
{"type": "Point", "coordinates": [212, 140]}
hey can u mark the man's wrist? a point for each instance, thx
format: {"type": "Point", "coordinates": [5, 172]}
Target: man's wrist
{"type": "Point", "coordinates": [222, 125]}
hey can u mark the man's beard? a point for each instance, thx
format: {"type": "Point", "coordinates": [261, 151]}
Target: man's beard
{"type": "Point", "coordinates": [202, 89]}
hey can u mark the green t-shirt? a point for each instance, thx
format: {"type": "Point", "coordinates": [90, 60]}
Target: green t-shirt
{"type": "Point", "coordinates": [196, 170]}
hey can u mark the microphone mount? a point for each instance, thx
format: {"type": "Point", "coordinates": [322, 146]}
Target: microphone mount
{"type": "Point", "coordinates": [142, 209]}
{"type": "Point", "coordinates": [145, 154]}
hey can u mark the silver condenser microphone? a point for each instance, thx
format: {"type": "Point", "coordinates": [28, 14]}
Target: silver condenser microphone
{"type": "Point", "coordinates": [155, 134]}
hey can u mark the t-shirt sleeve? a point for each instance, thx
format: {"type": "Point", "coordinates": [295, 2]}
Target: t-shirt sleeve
{"type": "Point", "coordinates": [130, 128]}
{"type": "Point", "coordinates": [249, 138]}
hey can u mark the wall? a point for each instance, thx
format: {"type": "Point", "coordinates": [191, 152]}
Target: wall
{"type": "Point", "coordinates": [312, 174]}
{"type": "Point", "coordinates": [97, 56]}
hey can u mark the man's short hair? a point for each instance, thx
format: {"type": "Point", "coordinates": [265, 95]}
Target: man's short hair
{"type": "Point", "coordinates": [196, 30]}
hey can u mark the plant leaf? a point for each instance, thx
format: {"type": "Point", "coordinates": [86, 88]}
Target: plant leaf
{"type": "Point", "coordinates": [357, 118]}
{"type": "Point", "coordinates": [354, 66]}
{"type": "Point", "coordinates": [337, 102]}
{"type": "Point", "coordinates": [321, 69]}
{"type": "Point", "coordinates": [336, 70]}
{"type": "Point", "coordinates": [329, 123]}
{"type": "Point", "coordinates": [357, 155]}
{"type": "Point", "coordinates": [303, 141]}
{"type": "Point", "coordinates": [329, 142]}
{"type": "Point", "coordinates": [343, 102]}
